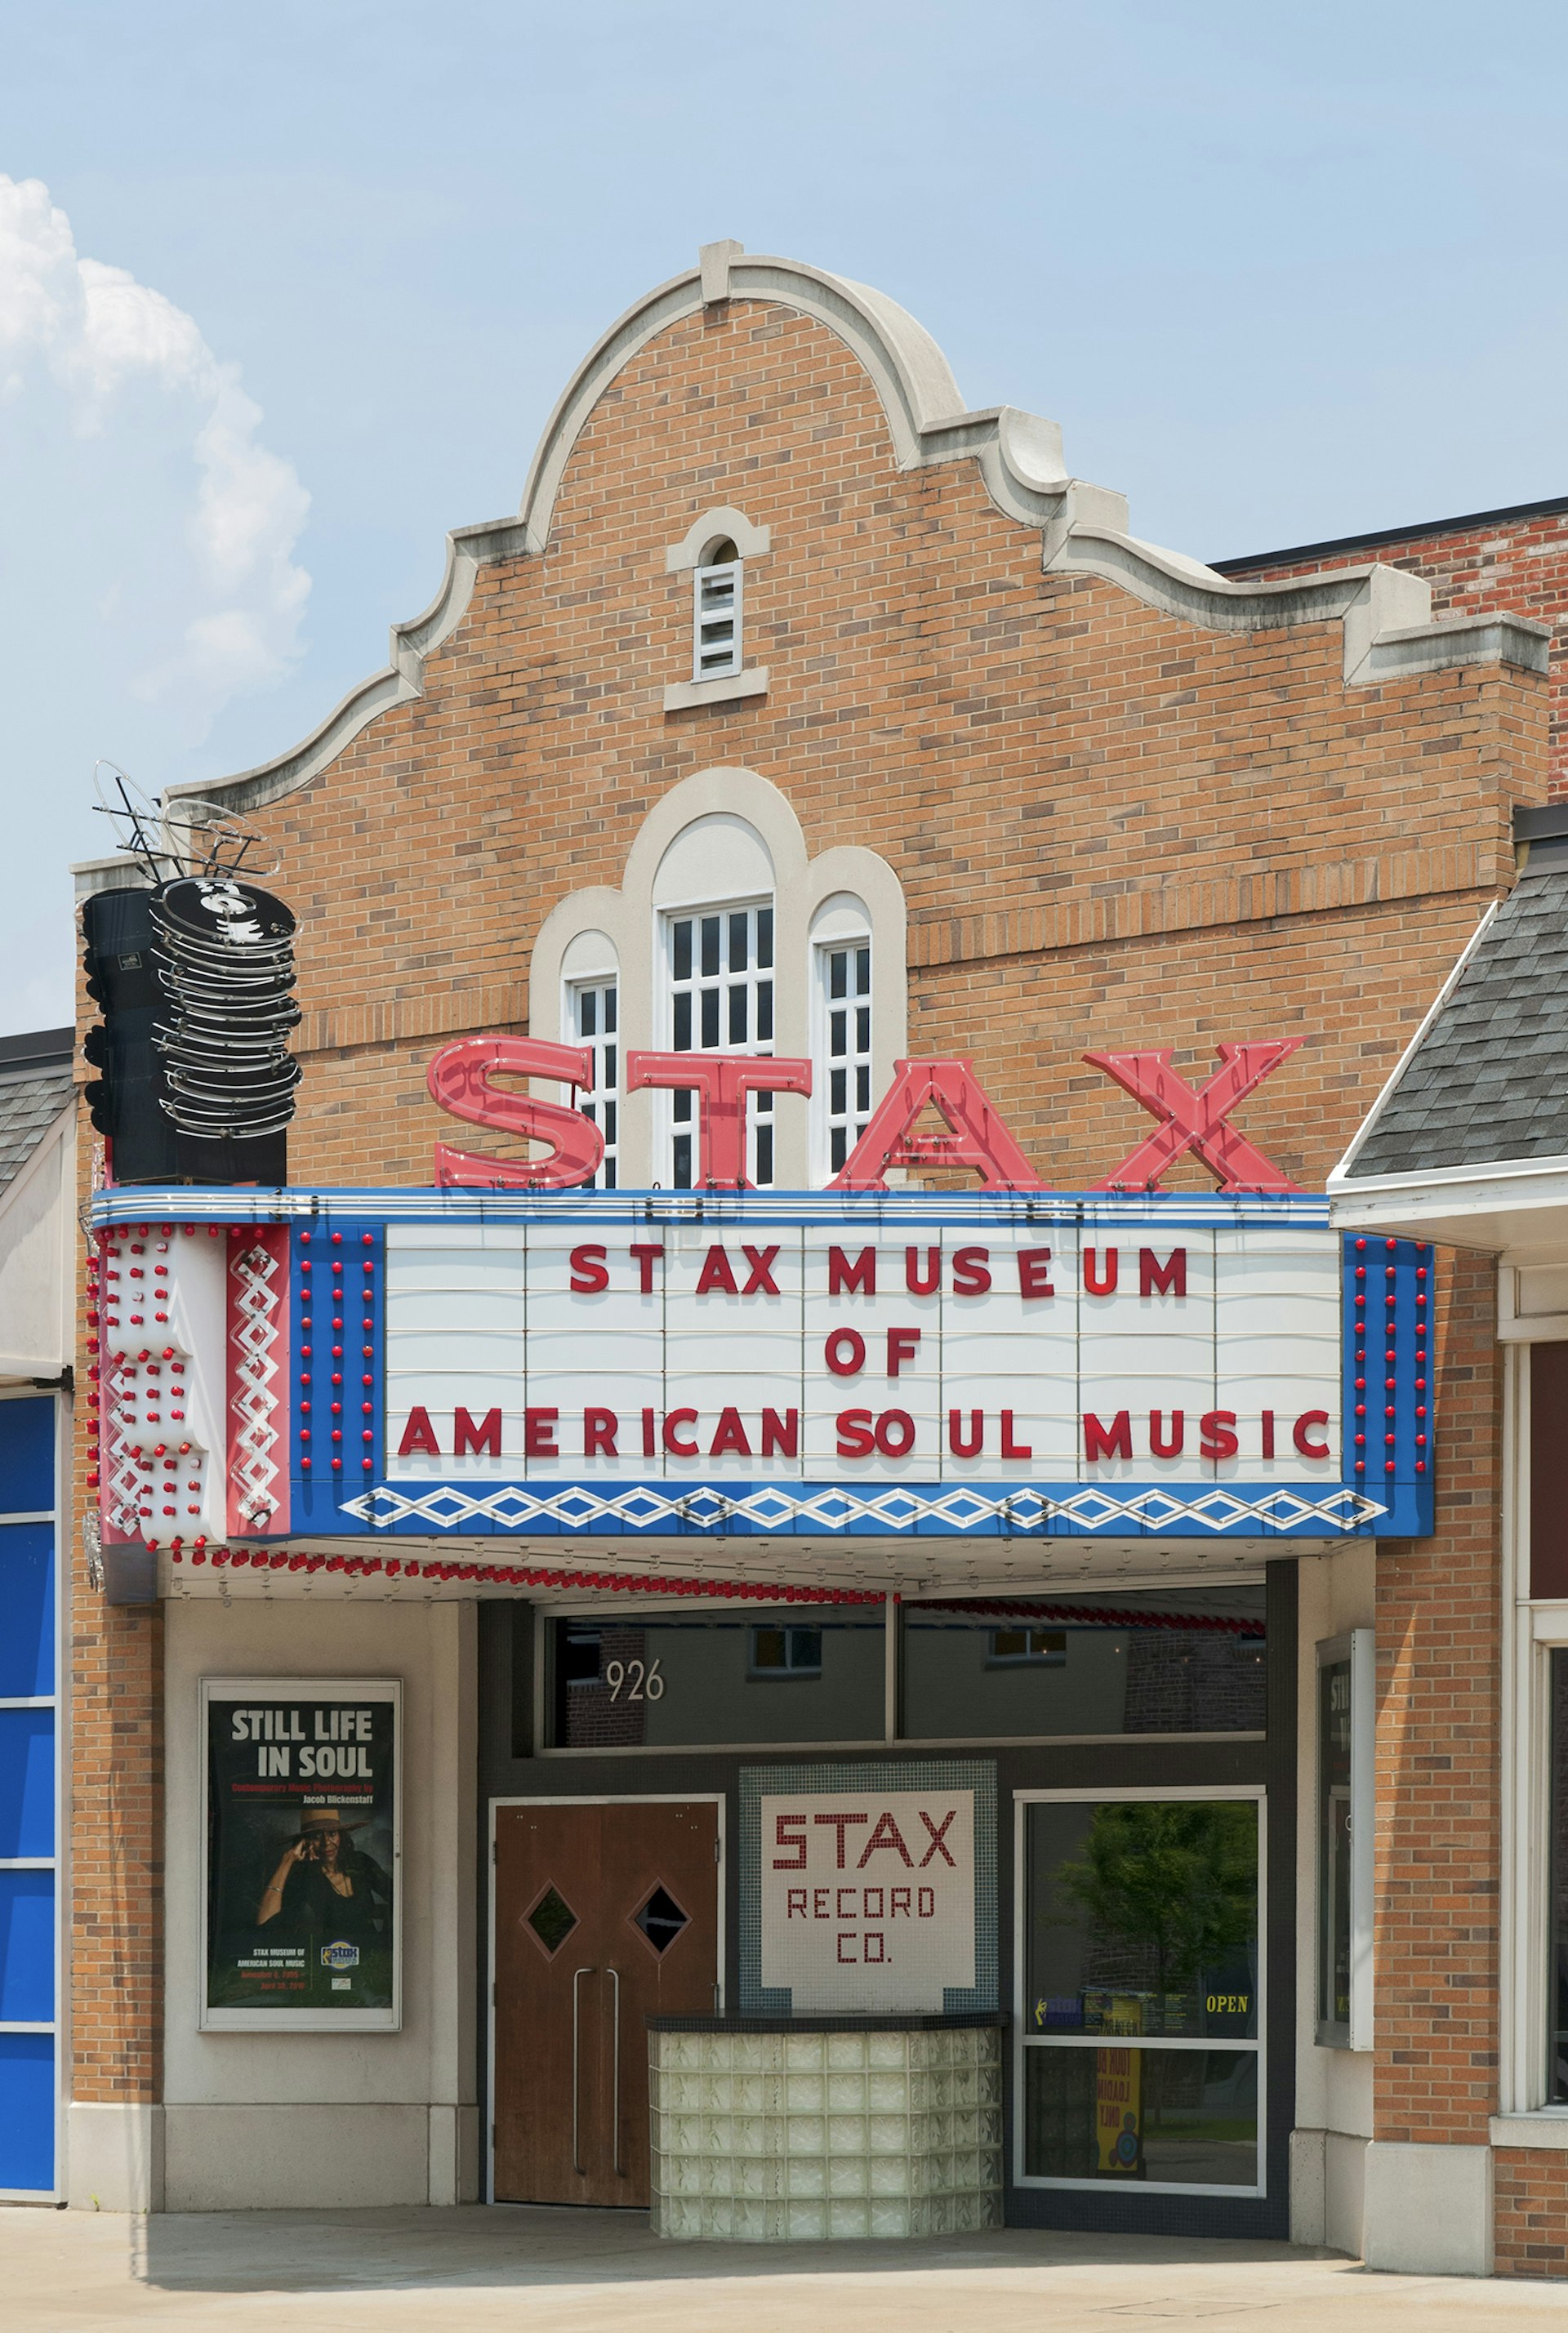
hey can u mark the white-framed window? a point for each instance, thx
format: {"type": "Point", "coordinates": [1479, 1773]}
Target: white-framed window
{"type": "Point", "coordinates": [716, 614]}
{"type": "Point", "coordinates": [1533, 1835]}
{"type": "Point", "coordinates": [1139, 2014]}
{"type": "Point", "coordinates": [719, 971]}
{"type": "Point", "coordinates": [594, 1017]}
{"type": "Point", "coordinates": [844, 1046]}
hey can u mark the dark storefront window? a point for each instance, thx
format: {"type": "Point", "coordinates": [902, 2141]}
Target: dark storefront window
{"type": "Point", "coordinates": [1140, 2012]}
{"type": "Point", "coordinates": [1335, 1850]}
{"type": "Point", "coordinates": [1148, 1662]}
{"type": "Point", "coordinates": [661, 1680]}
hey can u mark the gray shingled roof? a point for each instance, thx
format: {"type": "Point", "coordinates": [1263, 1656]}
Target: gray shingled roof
{"type": "Point", "coordinates": [35, 1088]}
{"type": "Point", "coordinates": [1489, 1079]}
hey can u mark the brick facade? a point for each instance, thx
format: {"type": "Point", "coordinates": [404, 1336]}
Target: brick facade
{"type": "Point", "coordinates": [1113, 828]}
{"type": "Point", "coordinates": [1516, 558]}
{"type": "Point", "coordinates": [1531, 2207]}
{"type": "Point", "coordinates": [1103, 818]}
{"type": "Point", "coordinates": [1439, 1785]}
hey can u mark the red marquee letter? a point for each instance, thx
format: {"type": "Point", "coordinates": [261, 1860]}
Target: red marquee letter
{"type": "Point", "coordinates": [856, 1439]}
{"type": "Point", "coordinates": [420, 1435]}
{"type": "Point", "coordinates": [486, 1435]}
{"type": "Point", "coordinates": [715, 1274]}
{"type": "Point", "coordinates": [1167, 1279]}
{"type": "Point", "coordinates": [538, 1432]}
{"type": "Point", "coordinates": [599, 1427]}
{"type": "Point", "coordinates": [856, 1278]}
{"type": "Point", "coordinates": [1160, 1444]}
{"type": "Point", "coordinates": [672, 1442]}
{"type": "Point", "coordinates": [1299, 1433]}
{"type": "Point", "coordinates": [460, 1081]}
{"type": "Point", "coordinates": [977, 1138]}
{"type": "Point", "coordinates": [589, 1272]}
{"type": "Point", "coordinates": [972, 1271]}
{"type": "Point", "coordinates": [729, 1435]}
{"type": "Point", "coordinates": [1217, 1427]}
{"type": "Point", "coordinates": [1112, 1441]}
{"type": "Point", "coordinates": [1035, 1273]}
{"type": "Point", "coordinates": [781, 1436]}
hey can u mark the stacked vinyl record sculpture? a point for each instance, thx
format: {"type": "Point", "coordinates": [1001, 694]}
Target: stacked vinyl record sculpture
{"type": "Point", "coordinates": [227, 966]}
{"type": "Point", "coordinates": [193, 970]}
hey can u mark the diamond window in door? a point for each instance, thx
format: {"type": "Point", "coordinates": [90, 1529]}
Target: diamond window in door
{"type": "Point", "coordinates": [552, 1920]}
{"type": "Point", "coordinates": [660, 1919]}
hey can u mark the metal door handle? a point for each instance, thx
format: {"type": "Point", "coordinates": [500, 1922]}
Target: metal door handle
{"type": "Point", "coordinates": [576, 2156]}
{"type": "Point", "coordinates": [614, 1974]}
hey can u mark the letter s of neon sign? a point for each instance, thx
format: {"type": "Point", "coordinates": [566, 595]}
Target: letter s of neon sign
{"type": "Point", "coordinates": [460, 1081]}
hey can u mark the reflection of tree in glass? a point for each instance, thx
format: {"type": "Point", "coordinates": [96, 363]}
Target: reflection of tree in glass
{"type": "Point", "coordinates": [1176, 1879]}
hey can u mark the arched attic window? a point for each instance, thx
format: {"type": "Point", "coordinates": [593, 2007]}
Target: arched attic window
{"type": "Point", "coordinates": [715, 611]}
{"type": "Point", "coordinates": [711, 552]}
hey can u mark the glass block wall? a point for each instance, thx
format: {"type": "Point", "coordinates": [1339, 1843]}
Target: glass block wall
{"type": "Point", "coordinates": [768, 2136]}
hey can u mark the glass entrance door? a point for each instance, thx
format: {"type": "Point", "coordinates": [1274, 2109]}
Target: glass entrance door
{"type": "Point", "coordinates": [1140, 2019]}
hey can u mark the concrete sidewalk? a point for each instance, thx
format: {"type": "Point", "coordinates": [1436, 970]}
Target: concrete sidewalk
{"type": "Point", "coordinates": [578, 2271]}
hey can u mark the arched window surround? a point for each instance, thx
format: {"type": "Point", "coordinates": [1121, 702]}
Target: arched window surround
{"type": "Point", "coordinates": [627, 921]}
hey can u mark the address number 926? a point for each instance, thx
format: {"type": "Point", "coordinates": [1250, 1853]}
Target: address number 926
{"type": "Point", "coordinates": [639, 1680]}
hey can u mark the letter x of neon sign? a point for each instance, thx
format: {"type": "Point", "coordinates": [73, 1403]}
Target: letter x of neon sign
{"type": "Point", "coordinates": [1197, 1119]}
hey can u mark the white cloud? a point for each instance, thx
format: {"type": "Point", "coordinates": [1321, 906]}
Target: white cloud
{"type": "Point", "coordinates": [207, 598]}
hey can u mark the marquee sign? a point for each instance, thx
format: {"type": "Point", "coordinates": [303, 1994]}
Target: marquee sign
{"type": "Point", "coordinates": [549, 1366]}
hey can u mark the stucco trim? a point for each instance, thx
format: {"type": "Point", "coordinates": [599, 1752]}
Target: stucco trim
{"type": "Point", "coordinates": [750, 541]}
{"type": "Point", "coordinates": [1385, 611]}
{"type": "Point", "coordinates": [629, 917]}
{"type": "Point", "coordinates": [683, 695]}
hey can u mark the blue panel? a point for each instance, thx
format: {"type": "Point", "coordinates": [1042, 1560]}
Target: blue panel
{"type": "Point", "coordinates": [26, 1608]}
{"type": "Point", "coordinates": [27, 2110]}
{"type": "Point", "coordinates": [27, 1946]}
{"type": "Point", "coordinates": [27, 1455]}
{"type": "Point", "coordinates": [27, 1781]}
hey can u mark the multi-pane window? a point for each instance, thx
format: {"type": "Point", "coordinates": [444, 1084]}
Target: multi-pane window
{"type": "Point", "coordinates": [715, 648]}
{"type": "Point", "coordinates": [845, 975]}
{"type": "Point", "coordinates": [786, 1652]}
{"type": "Point", "coordinates": [593, 1027]}
{"type": "Point", "coordinates": [1043, 1647]}
{"type": "Point", "coordinates": [721, 1001]}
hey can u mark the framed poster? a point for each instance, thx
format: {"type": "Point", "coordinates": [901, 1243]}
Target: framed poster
{"type": "Point", "coordinates": [301, 1864]}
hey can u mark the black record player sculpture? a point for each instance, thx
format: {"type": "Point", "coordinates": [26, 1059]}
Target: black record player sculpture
{"type": "Point", "coordinates": [194, 971]}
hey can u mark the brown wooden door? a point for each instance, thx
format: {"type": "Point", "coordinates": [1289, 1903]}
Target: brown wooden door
{"type": "Point", "coordinates": [604, 1916]}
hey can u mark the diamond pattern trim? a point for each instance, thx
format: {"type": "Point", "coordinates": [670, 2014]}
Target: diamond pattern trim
{"type": "Point", "coordinates": [258, 1480]}
{"type": "Point", "coordinates": [962, 1511]}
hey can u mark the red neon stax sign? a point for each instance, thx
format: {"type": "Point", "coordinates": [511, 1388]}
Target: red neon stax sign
{"type": "Point", "coordinates": [461, 1080]}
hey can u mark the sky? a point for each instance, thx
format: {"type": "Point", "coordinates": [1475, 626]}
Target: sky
{"type": "Point", "coordinates": [287, 292]}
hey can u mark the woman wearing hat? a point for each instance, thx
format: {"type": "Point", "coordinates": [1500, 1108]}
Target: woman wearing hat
{"type": "Point", "coordinates": [323, 1882]}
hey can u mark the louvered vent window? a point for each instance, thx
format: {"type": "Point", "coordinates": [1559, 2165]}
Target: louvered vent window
{"type": "Point", "coordinates": [716, 614]}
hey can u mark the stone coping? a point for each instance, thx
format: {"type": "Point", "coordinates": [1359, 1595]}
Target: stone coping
{"type": "Point", "coordinates": [916, 2022]}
